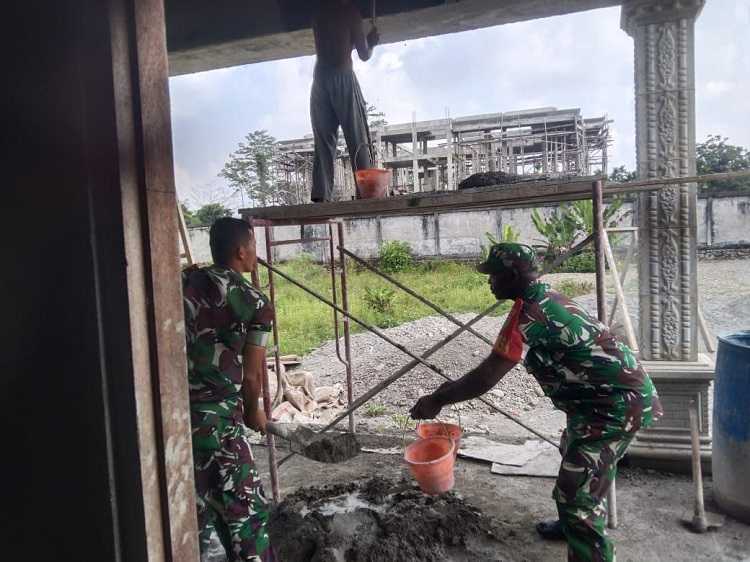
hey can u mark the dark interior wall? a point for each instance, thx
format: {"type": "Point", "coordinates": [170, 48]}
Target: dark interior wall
{"type": "Point", "coordinates": [52, 393]}
{"type": "Point", "coordinates": [80, 295]}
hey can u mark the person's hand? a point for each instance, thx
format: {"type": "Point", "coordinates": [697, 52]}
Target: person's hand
{"type": "Point", "coordinates": [257, 420]}
{"type": "Point", "coordinates": [373, 38]}
{"type": "Point", "coordinates": [426, 408]}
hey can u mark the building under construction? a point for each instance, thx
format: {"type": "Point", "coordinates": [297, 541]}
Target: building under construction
{"type": "Point", "coordinates": [436, 155]}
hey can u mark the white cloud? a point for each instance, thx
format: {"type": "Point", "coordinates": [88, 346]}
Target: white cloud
{"type": "Point", "coordinates": [718, 87]}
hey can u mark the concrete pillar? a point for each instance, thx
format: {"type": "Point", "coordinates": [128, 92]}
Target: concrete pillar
{"type": "Point", "coordinates": [414, 154]}
{"type": "Point", "coordinates": [663, 32]}
{"type": "Point", "coordinates": [450, 186]}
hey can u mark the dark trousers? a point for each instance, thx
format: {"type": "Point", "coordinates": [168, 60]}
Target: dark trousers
{"type": "Point", "coordinates": [336, 99]}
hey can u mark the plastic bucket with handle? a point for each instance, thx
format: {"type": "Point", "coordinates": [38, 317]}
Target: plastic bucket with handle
{"type": "Point", "coordinates": [431, 461]}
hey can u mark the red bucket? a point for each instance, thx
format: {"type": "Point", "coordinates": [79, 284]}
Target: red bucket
{"type": "Point", "coordinates": [373, 182]}
{"type": "Point", "coordinates": [431, 462]}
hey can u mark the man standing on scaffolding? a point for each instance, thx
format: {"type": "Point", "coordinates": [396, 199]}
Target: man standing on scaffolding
{"type": "Point", "coordinates": [336, 98]}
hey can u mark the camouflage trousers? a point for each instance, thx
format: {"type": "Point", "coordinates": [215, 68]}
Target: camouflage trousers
{"type": "Point", "coordinates": [590, 455]}
{"type": "Point", "coordinates": [229, 492]}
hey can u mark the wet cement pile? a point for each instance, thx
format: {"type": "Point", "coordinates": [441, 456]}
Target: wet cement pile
{"type": "Point", "coordinates": [332, 448]}
{"type": "Point", "coordinates": [377, 520]}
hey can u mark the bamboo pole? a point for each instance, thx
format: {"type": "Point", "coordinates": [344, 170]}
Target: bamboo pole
{"type": "Point", "coordinates": [629, 332]}
{"type": "Point", "coordinates": [599, 251]}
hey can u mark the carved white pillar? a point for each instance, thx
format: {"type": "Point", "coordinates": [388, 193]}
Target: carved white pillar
{"type": "Point", "coordinates": [663, 32]}
{"type": "Point", "coordinates": [665, 135]}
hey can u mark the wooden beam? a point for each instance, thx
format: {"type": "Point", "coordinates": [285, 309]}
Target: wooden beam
{"type": "Point", "coordinates": [517, 194]}
{"type": "Point", "coordinates": [513, 195]}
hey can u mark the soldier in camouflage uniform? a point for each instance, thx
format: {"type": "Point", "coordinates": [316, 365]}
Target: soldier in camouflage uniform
{"type": "Point", "coordinates": [227, 322]}
{"type": "Point", "coordinates": [590, 375]}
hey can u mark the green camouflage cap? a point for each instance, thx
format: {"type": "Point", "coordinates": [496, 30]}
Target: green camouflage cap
{"type": "Point", "coordinates": [509, 255]}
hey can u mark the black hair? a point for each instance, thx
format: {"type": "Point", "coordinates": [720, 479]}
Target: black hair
{"type": "Point", "coordinates": [226, 235]}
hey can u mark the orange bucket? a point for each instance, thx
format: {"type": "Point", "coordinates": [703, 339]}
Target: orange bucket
{"type": "Point", "coordinates": [431, 462]}
{"type": "Point", "coordinates": [439, 429]}
{"type": "Point", "coordinates": [373, 182]}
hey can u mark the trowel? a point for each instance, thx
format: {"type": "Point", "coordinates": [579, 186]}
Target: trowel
{"type": "Point", "coordinates": [325, 448]}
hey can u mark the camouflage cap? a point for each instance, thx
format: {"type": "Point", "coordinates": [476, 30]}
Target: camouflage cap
{"type": "Point", "coordinates": [509, 255]}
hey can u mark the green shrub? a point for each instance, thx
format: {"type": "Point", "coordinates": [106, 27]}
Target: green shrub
{"type": "Point", "coordinates": [379, 299]}
{"type": "Point", "coordinates": [404, 421]}
{"type": "Point", "coordinates": [570, 223]}
{"type": "Point", "coordinates": [375, 410]}
{"type": "Point", "coordinates": [395, 256]}
{"type": "Point", "coordinates": [583, 262]}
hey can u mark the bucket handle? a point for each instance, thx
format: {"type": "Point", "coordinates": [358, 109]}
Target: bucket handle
{"type": "Point", "coordinates": [369, 145]}
{"type": "Point", "coordinates": [442, 423]}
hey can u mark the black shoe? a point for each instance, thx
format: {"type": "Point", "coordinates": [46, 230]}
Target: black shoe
{"type": "Point", "coordinates": [551, 530]}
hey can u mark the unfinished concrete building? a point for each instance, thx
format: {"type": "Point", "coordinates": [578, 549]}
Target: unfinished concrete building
{"type": "Point", "coordinates": [436, 155]}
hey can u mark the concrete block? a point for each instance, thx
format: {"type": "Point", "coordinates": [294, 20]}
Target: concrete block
{"type": "Point", "coordinates": [320, 250]}
{"type": "Point", "coordinates": [731, 217]}
{"type": "Point", "coordinates": [199, 243]}
{"type": "Point", "coordinates": [288, 251]}
{"type": "Point", "coordinates": [704, 223]}
{"type": "Point", "coordinates": [419, 232]}
{"type": "Point", "coordinates": [463, 233]}
{"type": "Point", "coordinates": [520, 220]}
{"type": "Point", "coordinates": [361, 237]}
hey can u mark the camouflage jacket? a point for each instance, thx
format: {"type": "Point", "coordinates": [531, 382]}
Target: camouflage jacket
{"type": "Point", "coordinates": [221, 307]}
{"type": "Point", "coordinates": [579, 364]}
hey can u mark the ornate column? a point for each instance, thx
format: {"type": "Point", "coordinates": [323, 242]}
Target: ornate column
{"type": "Point", "coordinates": [663, 32]}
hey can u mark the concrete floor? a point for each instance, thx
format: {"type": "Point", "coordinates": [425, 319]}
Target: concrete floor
{"type": "Point", "coordinates": [650, 505]}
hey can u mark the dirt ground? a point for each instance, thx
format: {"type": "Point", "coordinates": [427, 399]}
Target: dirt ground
{"type": "Point", "coordinates": [650, 504]}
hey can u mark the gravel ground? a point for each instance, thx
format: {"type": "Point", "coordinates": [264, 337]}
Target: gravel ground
{"type": "Point", "coordinates": [724, 288]}
{"type": "Point", "coordinates": [724, 294]}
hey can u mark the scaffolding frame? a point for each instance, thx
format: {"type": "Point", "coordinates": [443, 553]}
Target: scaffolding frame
{"type": "Point", "coordinates": [599, 237]}
{"type": "Point", "coordinates": [268, 225]}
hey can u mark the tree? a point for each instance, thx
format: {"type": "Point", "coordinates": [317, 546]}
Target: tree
{"type": "Point", "coordinates": [250, 167]}
{"type": "Point", "coordinates": [714, 155]}
{"type": "Point", "coordinates": [620, 174]}
{"type": "Point", "coordinates": [376, 119]}
{"type": "Point", "coordinates": [207, 214]}
{"type": "Point", "coordinates": [189, 216]}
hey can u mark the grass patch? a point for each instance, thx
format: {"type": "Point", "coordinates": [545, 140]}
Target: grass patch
{"type": "Point", "coordinates": [375, 410]}
{"type": "Point", "coordinates": [404, 421]}
{"type": "Point", "coordinates": [304, 322]}
{"type": "Point", "coordinates": [573, 289]}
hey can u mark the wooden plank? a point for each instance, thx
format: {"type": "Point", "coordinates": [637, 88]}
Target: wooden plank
{"type": "Point", "coordinates": [629, 332]}
{"type": "Point", "coordinates": [494, 196]}
{"type": "Point", "coordinates": [513, 195]}
{"type": "Point", "coordinates": [184, 237]}
{"type": "Point", "coordinates": [172, 459]}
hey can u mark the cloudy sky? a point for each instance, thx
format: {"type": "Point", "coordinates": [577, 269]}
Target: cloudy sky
{"type": "Point", "coordinates": [582, 60]}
